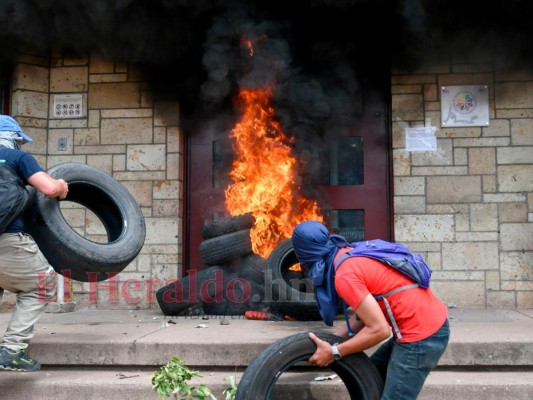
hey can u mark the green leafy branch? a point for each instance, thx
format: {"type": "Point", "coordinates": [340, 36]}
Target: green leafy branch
{"type": "Point", "coordinates": [173, 379]}
{"type": "Point", "coordinates": [231, 391]}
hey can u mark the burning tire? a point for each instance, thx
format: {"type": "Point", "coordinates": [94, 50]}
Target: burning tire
{"type": "Point", "coordinates": [235, 298]}
{"type": "Point", "coordinates": [179, 296]}
{"type": "Point", "coordinates": [227, 225]}
{"type": "Point", "coordinates": [252, 267]}
{"type": "Point", "coordinates": [243, 288]}
{"type": "Point", "coordinates": [110, 201]}
{"type": "Point", "coordinates": [258, 381]}
{"type": "Point", "coordinates": [222, 249]}
{"type": "Point", "coordinates": [292, 291]}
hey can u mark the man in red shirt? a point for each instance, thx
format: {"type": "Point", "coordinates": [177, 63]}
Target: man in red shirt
{"type": "Point", "coordinates": [405, 362]}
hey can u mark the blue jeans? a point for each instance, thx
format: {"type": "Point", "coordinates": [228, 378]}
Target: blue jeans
{"type": "Point", "coordinates": [405, 366]}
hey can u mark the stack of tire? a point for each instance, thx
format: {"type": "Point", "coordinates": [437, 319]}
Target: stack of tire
{"type": "Point", "coordinates": [237, 280]}
{"type": "Point", "coordinates": [291, 290]}
{"type": "Point", "coordinates": [233, 281]}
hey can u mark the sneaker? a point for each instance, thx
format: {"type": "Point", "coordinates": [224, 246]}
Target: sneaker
{"type": "Point", "coordinates": [17, 361]}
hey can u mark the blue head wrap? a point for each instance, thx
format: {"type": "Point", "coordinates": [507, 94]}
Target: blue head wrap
{"type": "Point", "coordinates": [315, 249]}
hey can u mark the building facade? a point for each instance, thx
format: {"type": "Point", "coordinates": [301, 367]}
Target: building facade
{"type": "Point", "coordinates": [466, 206]}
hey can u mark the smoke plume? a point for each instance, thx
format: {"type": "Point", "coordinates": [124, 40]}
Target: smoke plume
{"type": "Point", "coordinates": [315, 51]}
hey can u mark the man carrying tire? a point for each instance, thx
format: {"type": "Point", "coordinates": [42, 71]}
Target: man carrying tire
{"type": "Point", "coordinates": [405, 360]}
{"type": "Point", "coordinates": [23, 268]}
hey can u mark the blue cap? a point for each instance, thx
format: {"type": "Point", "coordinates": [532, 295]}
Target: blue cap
{"type": "Point", "coordinates": [8, 124]}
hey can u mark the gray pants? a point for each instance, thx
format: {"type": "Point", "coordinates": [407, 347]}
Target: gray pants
{"type": "Point", "coordinates": [25, 271]}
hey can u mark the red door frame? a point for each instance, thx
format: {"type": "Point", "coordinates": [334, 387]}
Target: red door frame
{"type": "Point", "coordinates": [196, 193]}
{"type": "Point", "coordinates": [377, 162]}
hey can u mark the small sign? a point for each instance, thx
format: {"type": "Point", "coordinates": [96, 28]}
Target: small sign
{"type": "Point", "coordinates": [421, 139]}
{"type": "Point", "coordinates": [465, 105]}
{"type": "Point", "coordinates": [68, 106]}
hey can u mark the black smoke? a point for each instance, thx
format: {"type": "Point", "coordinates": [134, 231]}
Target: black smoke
{"type": "Point", "coordinates": [316, 51]}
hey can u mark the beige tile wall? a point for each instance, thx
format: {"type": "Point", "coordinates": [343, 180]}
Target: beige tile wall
{"type": "Point", "coordinates": [128, 133]}
{"type": "Point", "coordinates": [468, 206]}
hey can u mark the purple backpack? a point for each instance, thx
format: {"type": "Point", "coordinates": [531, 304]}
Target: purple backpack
{"type": "Point", "coordinates": [396, 256]}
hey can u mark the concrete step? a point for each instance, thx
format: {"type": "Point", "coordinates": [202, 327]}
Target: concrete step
{"type": "Point", "coordinates": [112, 354]}
{"type": "Point", "coordinates": [135, 384]}
{"type": "Point", "coordinates": [144, 338]}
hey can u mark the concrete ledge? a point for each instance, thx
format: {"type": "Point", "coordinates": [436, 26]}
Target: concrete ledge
{"type": "Point", "coordinates": [147, 338]}
{"type": "Point", "coordinates": [116, 383]}
{"type": "Point", "coordinates": [516, 385]}
{"type": "Point", "coordinates": [112, 355]}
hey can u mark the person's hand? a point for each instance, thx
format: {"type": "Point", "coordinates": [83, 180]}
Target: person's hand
{"type": "Point", "coordinates": [64, 189]}
{"type": "Point", "coordinates": [322, 356]}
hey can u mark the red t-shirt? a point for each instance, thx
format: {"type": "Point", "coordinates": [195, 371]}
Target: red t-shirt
{"type": "Point", "coordinates": [418, 312]}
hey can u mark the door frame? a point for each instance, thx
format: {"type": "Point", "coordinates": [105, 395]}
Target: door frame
{"type": "Point", "coordinates": [337, 191]}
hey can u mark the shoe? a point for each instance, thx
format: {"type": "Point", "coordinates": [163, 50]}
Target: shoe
{"type": "Point", "coordinates": [17, 361]}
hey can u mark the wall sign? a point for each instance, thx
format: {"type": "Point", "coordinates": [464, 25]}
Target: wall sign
{"type": "Point", "coordinates": [421, 139]}
{"type": "Point", "coordinates": [68, 106]}
{"type": "Point", "coordinates": [465, 105]}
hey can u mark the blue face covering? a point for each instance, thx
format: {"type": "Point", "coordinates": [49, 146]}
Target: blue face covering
{"type": "Point", "coordinates": [315, 249]}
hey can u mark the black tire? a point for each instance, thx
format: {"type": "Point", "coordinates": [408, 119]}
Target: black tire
{"type": "Point", "coordinates": [227, 225]}
{"type": "Point", "coordinates": [222, 249]}
{"type": "Point", "coordinates": [174, 299]}
{"type": "Point", "coordinates": [228, 305]}
{"type": "Point", "coordinates": [66, 250]}
{"type": "Point", "coordinates": [251, 267]}
{"type": "Point", "coordinates": [292, 291]}
{"type": "Point", "coordinates": [360, 376]}
{"type": "Point", "coordinates": [239, 291]}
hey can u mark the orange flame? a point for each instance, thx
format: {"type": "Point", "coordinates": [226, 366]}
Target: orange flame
{"type": "Point", "coordinates": [249, 43]}
{"type": "Point", "coordinates": [263, 173]}
{"type": "Point", "coordinates": [296, 267]}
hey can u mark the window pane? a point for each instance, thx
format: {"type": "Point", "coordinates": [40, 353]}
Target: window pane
{"type": "Point", "coordinates": [222, 160]}
{"type": "Point", "coordinates": [348, 223]}
{"type": "Point", "coordinates": [346, 162]}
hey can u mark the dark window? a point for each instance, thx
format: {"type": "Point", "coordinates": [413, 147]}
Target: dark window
{"type": "Point", "coordinates": [348, 223]}
{"type": "Point", "coordinates": [222, 160]}
{"type": "Point", "coordinates": [344, 162]}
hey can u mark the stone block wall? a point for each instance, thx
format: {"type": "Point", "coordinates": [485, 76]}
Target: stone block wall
{"type": "Point", "coordinates": [125, 131]}
{"type": "Point", "coordinates": [468, 207]}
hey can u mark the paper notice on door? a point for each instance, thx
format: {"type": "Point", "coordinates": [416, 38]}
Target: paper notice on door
{"type": "Point", "coordinates": [421, 139]}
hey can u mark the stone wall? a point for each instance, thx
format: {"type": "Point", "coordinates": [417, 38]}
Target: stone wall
{"type": "Point", "coordinates": [468, 207]}
{"type": "Point", "coordinates": [125, 131]}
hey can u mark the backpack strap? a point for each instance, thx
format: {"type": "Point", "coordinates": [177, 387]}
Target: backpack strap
{"type": "Point", "coordinates": [341, 259]}
{"type": "Point", "coordinates": [344, 306]}
{"type": "Point", "coordinates": [378, 297]}
{"type": "Point", "coordinates": [383, 297]}
{"type": "Point", "coordinates": [347, 318]}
